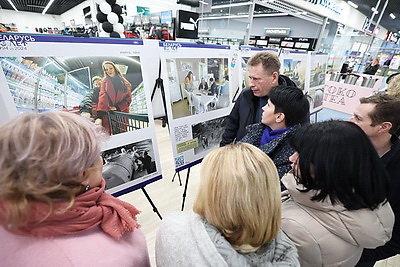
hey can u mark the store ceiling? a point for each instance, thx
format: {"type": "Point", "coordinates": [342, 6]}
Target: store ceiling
{"type": "Point", "coordinates": [364, 6]}
{"type": "Point", "coordinates": [57, 8]}
{"type": "Point", "coordinates": [60, 6]}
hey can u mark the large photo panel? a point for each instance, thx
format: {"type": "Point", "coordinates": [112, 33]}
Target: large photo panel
{"type": "Point", "coordinates": [197, 79]}
{"type": "Point", "coordinates": [315, 79]}
{"type": "Point", "coordinates": [42, 73]}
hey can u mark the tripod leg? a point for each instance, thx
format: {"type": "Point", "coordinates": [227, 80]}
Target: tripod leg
{"type": "Point", "coordinates": [179, 177]}
{"type": "Point", "coordinates": [151, 203]}
{"type": "Point", "coordinates": [184, 192]}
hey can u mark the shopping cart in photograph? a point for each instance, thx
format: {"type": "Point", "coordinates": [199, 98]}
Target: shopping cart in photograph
{"type": "Point", "coordinates": [125, 122]}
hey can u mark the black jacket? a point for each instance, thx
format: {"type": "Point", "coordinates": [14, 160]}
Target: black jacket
{"type": "Point", "coordinates": [391, 160]}
{"type": "Point", "coordinates": [244, 113]}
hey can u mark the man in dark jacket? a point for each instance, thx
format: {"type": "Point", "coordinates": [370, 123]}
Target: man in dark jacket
{"type": "Point", "coordinates": [263, 69]}
{"type": "Point", "coordinates": [378, 117]}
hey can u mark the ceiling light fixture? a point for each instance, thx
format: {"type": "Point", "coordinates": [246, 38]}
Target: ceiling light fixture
{"type": "Point", "coordinates": [374, 10]}
{"type": "Point", "coordinates": [392, 16]}
{"type": "Point", "coordinates": [47, 7]}
{"type": "Point", "coordinates": [11, 3]}
{"type": "Point", "coordinates": [352, 4]}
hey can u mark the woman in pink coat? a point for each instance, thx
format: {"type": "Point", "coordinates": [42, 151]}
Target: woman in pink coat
{"type": "Point", "coordinates": [115, 94]}
{"type": "Point", "coordinates": [53, 207]}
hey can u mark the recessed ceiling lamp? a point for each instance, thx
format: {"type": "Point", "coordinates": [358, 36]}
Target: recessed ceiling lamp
{"type": "Point", "coordinates": [47, 7]}
{"type": "Point", "coordinates": [352, 4]}
{"type": "Point", "coordinates": [11, 3]}
{"type": "Point", "coordinates": [374, 10]}
{"type": "Point", "coordinates": [392, 16]}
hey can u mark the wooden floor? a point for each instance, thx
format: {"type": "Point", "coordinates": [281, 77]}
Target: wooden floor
{"type": "Point", "coordinates": [167, 195]}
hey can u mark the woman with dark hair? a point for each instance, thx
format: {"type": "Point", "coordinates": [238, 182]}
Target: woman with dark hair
{"type": "Point", "coordinates": [115, 94]}
{"type": "Point", "coordinates": [336, 199]}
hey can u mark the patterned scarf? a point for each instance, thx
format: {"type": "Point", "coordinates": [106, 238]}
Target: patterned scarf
{"type": "Point", "coordinates": [90, 209]}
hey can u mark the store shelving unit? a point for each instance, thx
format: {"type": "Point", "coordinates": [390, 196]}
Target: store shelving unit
{"type": "Point", "coordinates": [34, 88]}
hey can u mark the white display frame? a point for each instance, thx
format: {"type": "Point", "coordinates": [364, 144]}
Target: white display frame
{"type": "Point", "coordinates": [188, 131]}
{"type": "Point", "coordinates": [26, 45]}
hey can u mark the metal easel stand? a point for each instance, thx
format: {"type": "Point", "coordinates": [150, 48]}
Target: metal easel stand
{"type": "Point", "coordinates": [160, 84]}
{"type": "Point", "coordinates": [185, 190]}
{"type": "Point", "coordinates": [151, 202]}
{"type": "Point", "coordinates": [179, 177]}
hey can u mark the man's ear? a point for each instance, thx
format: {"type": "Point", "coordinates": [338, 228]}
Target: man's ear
{"type": "Point", "coordinates": [386, 126]}
{"type": "Point", "coordinates": [275, 75]}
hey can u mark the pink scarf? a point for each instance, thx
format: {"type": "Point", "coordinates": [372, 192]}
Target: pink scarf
{"type": "Point", "coordinates": [92, 208]}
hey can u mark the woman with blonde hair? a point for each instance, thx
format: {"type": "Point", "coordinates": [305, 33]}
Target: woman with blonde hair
{"type": "Point", "coordinates": [53, 207]}
{"type": "Point", "coordinates": [115, 94]}
{"type": "Point", "coordinates": [236, 219]}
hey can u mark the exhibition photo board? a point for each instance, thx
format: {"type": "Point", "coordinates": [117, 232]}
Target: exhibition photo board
{"type": "Point", "coordinates": [316, 79]}
{"type": "Point", "coordinates": [197, 79]}
{"type": "Point", "coordinates": [42, 73]}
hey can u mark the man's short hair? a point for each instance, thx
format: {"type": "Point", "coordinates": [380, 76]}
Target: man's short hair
{"type": "Point", "coordinates": [291, 101]}
{"type": "Point", "coordinates": [268, 59]}
{"type": "Point", "coordinates": [387, 109]}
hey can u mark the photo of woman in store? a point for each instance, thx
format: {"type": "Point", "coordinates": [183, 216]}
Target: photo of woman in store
{"type": "Point", "coordinates": [115, 94]}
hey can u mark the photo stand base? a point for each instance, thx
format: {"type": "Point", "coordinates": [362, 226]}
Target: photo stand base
{"type": "Point", "coordinates": [151, 202]}
{"type": "Point", "coordinates": [179, 177]}
{"type": "Point", "coordinates": [185, 190]}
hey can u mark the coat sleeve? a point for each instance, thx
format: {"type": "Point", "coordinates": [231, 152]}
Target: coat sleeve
{"type": "Point", "coordinates": [125, 102]}
{"type": "Point", "coordinates": [86, 103]}
{"type": "Point", "coordinates": [307, 246]}
{"type": "Point", "coordinates": [232, 124]}
{"type": "Point", "coordinates": [104, 104]}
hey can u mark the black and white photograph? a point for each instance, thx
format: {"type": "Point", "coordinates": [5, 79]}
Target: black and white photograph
{"type": "Point", "coordinates": [127, 163]}
{"type": "Point", "coordinates": [209, 134]}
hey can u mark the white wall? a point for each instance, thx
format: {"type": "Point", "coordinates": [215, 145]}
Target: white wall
{"type": "Point", "coordinates": [76, 14]}
{"type": "Point", "coordinates": [27, 21]}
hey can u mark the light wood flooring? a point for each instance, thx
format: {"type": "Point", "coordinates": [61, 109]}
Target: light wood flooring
{"type": "Point", "coordinates": [167, 195]}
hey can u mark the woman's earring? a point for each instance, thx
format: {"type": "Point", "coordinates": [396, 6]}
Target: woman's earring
{"type": "Point", "coordinates": [87, 187]}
